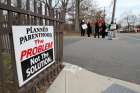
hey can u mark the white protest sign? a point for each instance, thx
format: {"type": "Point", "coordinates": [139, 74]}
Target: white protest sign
{"type": "Point", "coordinates": [34, 50]}
{"type": "Point", "coordinates": [113, 27]}
{"type": "Point", "coordinates": [84, 26]}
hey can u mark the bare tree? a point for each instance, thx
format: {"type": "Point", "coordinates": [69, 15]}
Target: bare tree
{"type": "Point", "coordinates": [77, 4]}
{"type": "Point", "coordinates": [61, 5]}
{"type": "Point", "coordinates": [3, 1]}
{"type": "Point", "coordinates": [130, 20]}
{"type": "Point", "coordinates": [64, 8]}
{"type": "Point", "coordinates": [49, 6]}
{"type": "Point", "coordinates": [71, 11]}
{"type": "Point", "coordinates": [84, 9]}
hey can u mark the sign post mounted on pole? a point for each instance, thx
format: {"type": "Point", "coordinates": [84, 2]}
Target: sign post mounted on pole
{"type": "Point", "coordinates": [34, 50]}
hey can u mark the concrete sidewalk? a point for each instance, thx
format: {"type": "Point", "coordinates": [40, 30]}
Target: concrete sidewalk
{"type": "Point", "coordinates": [74, 79]}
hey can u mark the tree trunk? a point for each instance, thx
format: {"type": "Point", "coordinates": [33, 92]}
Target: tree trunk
{"type": "Point", "coordinates": [77, 16]}
{"type": "Point", "coordinates": [63, 12]}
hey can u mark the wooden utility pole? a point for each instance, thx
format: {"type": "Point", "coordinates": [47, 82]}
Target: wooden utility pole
{"type": "Point", "coordinates": [104, 13]}
{"type": "Point", "coordinates": [77, 16]}
{"type": "Point", "coordinates": [113, 16]}
{"type": "Point", "coordinates": [113, 12]}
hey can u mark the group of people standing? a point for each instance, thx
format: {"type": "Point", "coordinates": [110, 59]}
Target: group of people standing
{"type": "Point", "coordinates": [100, 28]}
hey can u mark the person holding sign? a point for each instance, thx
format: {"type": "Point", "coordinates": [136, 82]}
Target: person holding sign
{"type": "Point", "coordinates": [112, 31]}
{"type": "Point", "coordinates": [83, 26]}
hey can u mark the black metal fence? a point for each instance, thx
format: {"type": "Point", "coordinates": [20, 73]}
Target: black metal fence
{"type": "Point", "coordinates": [27, 12]}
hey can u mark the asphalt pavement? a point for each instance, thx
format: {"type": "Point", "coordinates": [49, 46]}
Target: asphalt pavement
{"type": "Point", "coordinates": [118, 58]}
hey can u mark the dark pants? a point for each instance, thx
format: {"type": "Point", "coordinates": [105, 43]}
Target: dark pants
{"type": "Point", "coordinates": [82, 32]}
{"type": "Point", "coordinates": [88, 34]}
{"type": "Point", "coordinates": [97, 33]}
{"type": "Point", "coordinates": [106, 33]}
{"type": "Point", "coordinates": [103, 34]}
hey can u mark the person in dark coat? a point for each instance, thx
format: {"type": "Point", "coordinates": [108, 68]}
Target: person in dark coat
{"type": "Point", "coordinates": [82, 30]}
{"type": "Point", "coordinates": [97, 30]}
{"type": "Point", "coordinates": [88, 29]}
{"type": "Point", "coordinates": [103, 28]}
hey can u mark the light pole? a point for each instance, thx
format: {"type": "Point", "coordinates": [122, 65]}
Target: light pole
{"type": "Point", "coordinates": [104, 13]}
{"type": "Point", "coordinates": [113, 16]}
{"type": "Point", "coordinates": [113, 12]}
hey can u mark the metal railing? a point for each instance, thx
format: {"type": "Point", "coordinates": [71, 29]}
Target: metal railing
{"type": "Point", "coordinates": [16, 14]}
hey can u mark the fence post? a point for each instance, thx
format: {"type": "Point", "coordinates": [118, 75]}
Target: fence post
{"type": "Point", "coordinates": [19, 15]}
{"type": "Point", "coordinates": [51, 16]}
{"type": "Point", "coordinates": [2, 80]}
{"type": "Point", "coordinates": [40, 12]}
{"type": "Point", "coordinates": [28, 10]}
{"type": "Point", "coordinates": [46, 13]}
{"type": "Point", "coordinates": [10, 17]}
{"type": "Point", "coordinates": [61, 40]}
{"type": "Point", "coordinates": [35, 11]}
{"type": "Point", "coordinates": [2, 89]}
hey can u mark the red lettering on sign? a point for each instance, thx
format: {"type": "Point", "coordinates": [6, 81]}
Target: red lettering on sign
{"type": "Point", "coordinates": [36, 50]}
{"type": "Point", "coordinates": [29, 53]}
{"type": "Point", "coordinates": [23, 53]}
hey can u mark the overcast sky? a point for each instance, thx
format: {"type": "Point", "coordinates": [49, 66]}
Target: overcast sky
{"type": "Point", "coordinates": [122, 6]}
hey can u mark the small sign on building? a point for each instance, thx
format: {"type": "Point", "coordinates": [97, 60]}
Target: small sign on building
{"type": "Point", "coordinates": [34, 50]}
